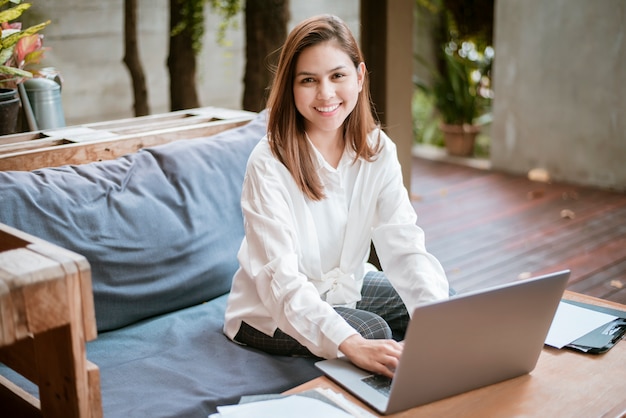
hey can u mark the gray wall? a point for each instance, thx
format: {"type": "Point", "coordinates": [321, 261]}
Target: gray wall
{"type": "Point", "coordinates": [560, 90]}
{"type": "Point", "coordinates": [86, 41]}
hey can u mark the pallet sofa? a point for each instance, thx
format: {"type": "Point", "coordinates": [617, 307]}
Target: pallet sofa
{"type": "Point", "coordinates": [160, 229]}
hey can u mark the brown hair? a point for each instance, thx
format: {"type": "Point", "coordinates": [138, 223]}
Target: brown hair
{"type": "Point", "coordinates": [286, 134]}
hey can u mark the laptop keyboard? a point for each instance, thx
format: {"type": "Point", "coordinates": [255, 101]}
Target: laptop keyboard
{"type": "Point", "coordinates": [379, 382]}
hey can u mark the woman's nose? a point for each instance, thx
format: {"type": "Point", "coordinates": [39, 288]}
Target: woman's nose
{"type": "Point", "coordinates": [325, 90]}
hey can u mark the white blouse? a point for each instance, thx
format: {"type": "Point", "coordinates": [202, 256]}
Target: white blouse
{"type": "Point", "coordinates": [299, 257]}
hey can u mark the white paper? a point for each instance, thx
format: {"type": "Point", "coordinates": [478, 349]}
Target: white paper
{"type": "Point", "coordinates": [343, 402]}
{"type": "Point", "coordinates": [80, 134]}
{"type": "Point", "coordinates": [572, 322]}
{"type": "Point", "coordinates": [288, 407]}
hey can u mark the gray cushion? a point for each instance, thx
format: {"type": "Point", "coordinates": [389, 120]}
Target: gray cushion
{"type": "Point", "coordinates": [181, 365]}
{"type": "Point", "coordinates": [160, 227]}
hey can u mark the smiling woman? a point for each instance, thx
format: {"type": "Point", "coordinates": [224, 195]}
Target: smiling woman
{"type": "Point", "coordinates": [319, 188]}
{"type": "Point", "coordinates": [326, 89]}
{"type": "Point", "coordinates": [287, 124]}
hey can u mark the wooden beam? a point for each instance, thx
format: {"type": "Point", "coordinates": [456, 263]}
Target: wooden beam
{"type": "Point", "coordinates": [387, 43]}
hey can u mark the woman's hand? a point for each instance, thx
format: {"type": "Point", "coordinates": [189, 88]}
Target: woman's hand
{"type": "Point", "coordinates": [377, 356]}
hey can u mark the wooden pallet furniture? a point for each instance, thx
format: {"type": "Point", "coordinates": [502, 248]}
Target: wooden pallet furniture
{"type": "Point", "coordinates": [46, 317]}
{"type": "Point", "coordinates": [108, 140]}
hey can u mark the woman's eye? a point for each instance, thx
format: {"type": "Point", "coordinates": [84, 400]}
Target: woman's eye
{"type": "Point", "coordinates": [307, 80]}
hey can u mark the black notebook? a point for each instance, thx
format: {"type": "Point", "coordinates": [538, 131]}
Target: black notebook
{"type": "Point", "coordinates": [601, 339]}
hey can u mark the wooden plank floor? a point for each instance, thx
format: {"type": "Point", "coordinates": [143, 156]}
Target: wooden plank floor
{"type": "Point", "coordinates": [488, 228]}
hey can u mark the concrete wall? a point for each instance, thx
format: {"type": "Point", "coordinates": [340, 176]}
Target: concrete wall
{"type": "Point", "coordinates": [86, 41]}
{"type": "Point", "coordinates": [560, 92]}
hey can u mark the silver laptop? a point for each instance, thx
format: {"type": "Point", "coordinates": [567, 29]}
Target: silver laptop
{"type": "Point", "coordinates": [467, 342]}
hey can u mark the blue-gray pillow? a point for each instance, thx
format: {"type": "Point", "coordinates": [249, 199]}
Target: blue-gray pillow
{"type": "Point", "coordinates": [160, 227]}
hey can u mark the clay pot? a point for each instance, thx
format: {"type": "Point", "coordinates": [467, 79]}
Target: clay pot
{"type": "Point", "coordinates": [460, 139]}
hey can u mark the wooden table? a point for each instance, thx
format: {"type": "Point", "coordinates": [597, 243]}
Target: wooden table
{"type": "Point", "coordinates": [46, 315]}
{"type": "Point", "coordinates": [565, 383]}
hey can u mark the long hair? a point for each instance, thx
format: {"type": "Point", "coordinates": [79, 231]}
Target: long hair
{"type": "Point", "coordinates": [286, 134]}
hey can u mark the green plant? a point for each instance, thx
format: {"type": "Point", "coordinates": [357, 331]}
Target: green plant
{"type": "Point", "coordinates": [460, 88]}
{"type": "Point", "coordinates": [460, 69]}
{"type": "Point", "coordinates": [454, 91]}
{"type": "Point", "coordinates": [20, 49]}
{"type": "Point", "coordinates": [193, 19]}
{"type": "Point", "coordinates": [425, 120]}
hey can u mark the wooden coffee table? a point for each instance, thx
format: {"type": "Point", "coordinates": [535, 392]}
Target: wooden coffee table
{"type": "Point", "coordinates": [565, 383]}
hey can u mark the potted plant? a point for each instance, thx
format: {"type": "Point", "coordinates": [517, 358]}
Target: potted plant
{"type": "Point", "coordinates": [458, 90]}
{"type": "Point", "coordinates": [458, 99]}
{"type": "Point", "coordinates": [20, 50]}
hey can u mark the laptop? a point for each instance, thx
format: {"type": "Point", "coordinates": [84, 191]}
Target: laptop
{"type": "Point", "coordinates": [466, 342]}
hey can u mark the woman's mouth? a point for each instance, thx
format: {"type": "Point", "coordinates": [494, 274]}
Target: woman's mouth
{"type": "Point", "coordinates": [327, 109]}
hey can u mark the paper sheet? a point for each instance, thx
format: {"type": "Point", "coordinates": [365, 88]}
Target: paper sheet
{"type": "Point", "coordinates": [572, 322]}
{"type": "Point", "coordinates": [80, 134]}
{"type": "Point", "coordinates": [290, 406]}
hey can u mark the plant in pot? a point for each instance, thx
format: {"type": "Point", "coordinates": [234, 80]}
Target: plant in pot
{"type": "Point", "coordinates": [20, 51]}
{"type": "Point", "coordinates": [461, 96]}
{"type": "Point", "coordinates": [458, 89]}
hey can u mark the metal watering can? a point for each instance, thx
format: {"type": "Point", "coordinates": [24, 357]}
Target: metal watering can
{"type": "Point", "coordinates": [44, 96]}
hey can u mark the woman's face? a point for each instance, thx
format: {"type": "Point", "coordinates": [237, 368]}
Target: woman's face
{"type": "Point", "coordinates": [326, 87]}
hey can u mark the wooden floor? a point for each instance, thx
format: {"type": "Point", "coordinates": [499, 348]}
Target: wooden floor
{"type": "Point", "coordinates": [488, 228]}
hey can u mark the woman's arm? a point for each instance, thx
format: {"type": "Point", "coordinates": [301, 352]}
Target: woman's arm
{"type": "Point", "coordinates": [400, 243]}
{"type": "Point", "coordinates": [274, 212]}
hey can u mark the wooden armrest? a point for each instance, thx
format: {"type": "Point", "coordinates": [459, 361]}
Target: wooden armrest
{"type": "Point", "coordinates": [46, 317]}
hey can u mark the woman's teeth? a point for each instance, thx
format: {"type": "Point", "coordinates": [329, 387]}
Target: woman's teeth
{"type": "Point", "coordinates": [327, 108]}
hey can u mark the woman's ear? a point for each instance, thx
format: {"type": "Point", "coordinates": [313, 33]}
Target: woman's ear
{"type": "Point", "coordinates": [360, 72]}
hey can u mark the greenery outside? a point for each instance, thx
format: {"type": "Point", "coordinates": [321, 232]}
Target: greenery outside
{"type": "Point", "coordinates": [459, 89]}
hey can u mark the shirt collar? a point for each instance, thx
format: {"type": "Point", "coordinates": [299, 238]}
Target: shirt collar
{"type": "Point", "coordinates": [347, 157]}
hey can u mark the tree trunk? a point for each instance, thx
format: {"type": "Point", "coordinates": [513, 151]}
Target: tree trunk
{"type": "Point", "coordinates": [266, 30]}
{"type": "Point", "coordinates": [132, 61]}
{"type": "Point", "coordinates": [181, 63]}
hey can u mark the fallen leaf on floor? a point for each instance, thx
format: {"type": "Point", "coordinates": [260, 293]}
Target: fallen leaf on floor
{"type": "Point", "coordinates": [416, 197]}
{"type": "Point", "coordinates": [573, 195]}
{"type": "Point", "coordinates": [525, 275]}
{"type": "Point", "coordinates": [567, 214]}
{"type": "Point", "coordinates": [535, 194]}
{"type": "Point", "coordinates": [539, 174]}
{"type": "Point", "coordinates": [617, 284]}
{"type": "Point", "coordinates": [443, 192]}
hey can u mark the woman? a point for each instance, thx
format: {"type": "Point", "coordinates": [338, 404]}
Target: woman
{"type": "Point", "coordinates": [322, 185]}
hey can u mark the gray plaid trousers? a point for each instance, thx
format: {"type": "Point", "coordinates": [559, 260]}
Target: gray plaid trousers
{"type": "Point", "coordinates": [379, 314]}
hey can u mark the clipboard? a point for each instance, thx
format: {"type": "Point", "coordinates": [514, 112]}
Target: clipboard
{"type": "Point", "coordinates": [601, 339]}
